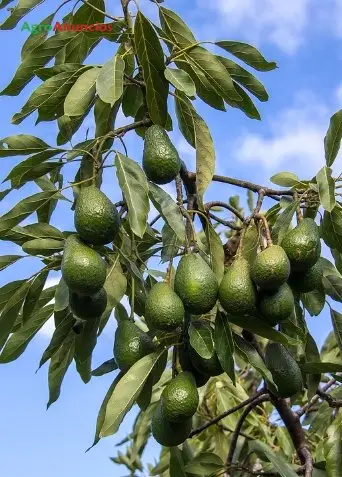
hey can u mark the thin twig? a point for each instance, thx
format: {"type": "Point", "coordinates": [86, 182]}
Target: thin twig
{"type": "Point", "coordinates": [315, 398]}
{"type": "Point", "coordinates": [227, 223]}
{"type": "Point", "coordinates": [101, 11]}
{"type": "Point", "coordinates": [263, 219]}
{"type": "Point", "coordinates": [233, 210]}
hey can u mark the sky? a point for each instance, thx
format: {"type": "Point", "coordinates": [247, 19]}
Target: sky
{"type": "Point", "coordinates": [304, 37]}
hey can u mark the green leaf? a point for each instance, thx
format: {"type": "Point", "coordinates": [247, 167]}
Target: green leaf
{"type": "Point", "coordinates": [134, 186]}
{"type": "Point", "coordinates": [152, 63]}
{"type": "Point", "coordinates": [171, 244]}
{"type": "Point", "coordinates": [312, 354]}
{"type": "Point", "coordinates": [19, 340]}
{"type": "Point", "coordinates": [7, 260]}
{"type": "Point", "coordinates": [250, 242]}
{"type": "Point", "coordinates": [336, 319]}
{"type": "Point", "coordinates": [283, 222]}
{"type": "Point", "coordinates": [18, 12]}
{"type": "Point", "coordinates": [132, 100]}
{"type": "Point", "coordinates": [8, 290]}
{"type": "Point", "coordinates": [175, 28]}
{"type": "Point", "coordinates": [331, 228]}
{"type": "Point", "coordinates": [115, 286]}
{"type": "Point", "coordinates": [35, 39]}
{"type": "Point", "coordinates": [332, 140]}
{"type": "Point", "coordinates": [59, 365]}
{"type": "Point", "coordinates": [201, 339]}
{"type": "Point", "coordinates": [333, 448]}
{"type": "Point", "coordinates": [285, 179]}
{"type": "Point", "coordinates": [181, 81]}
{"type": "Point", "coordinates": [170, 211]}
{"type": "Point", "coordinates": [81, 93]}
{"type": "Point", "coordinates": [246, 105]}
{"type": "Point", "coordinates": [104, 368]}
{"type": "Point", "coordinates": [176, 463]}
{"type": "Point", "coordinates": [320, 367]}
{"type": "Point", "coordinates": [326, 188]}
{"type": "Point", "coordinates": [278, 462]}
{"type": "Point", "coordinates": [248, 54]}
{"type": "Point", "coordinates": [184, 113]}
{"type": "Point", "coordinates": [333, 287]}
{"type": "Point", "coordinates": [224, 345]}
{"type": "Point", "coordinates": [21, 145]}
{"type": "Point", "coordinates": [34, 293]}
{"type": "Point", "coordinates": [85, 343]}
{"type": "Point", "coordinates": [125, 393]}
{"type": "Point", "coordinates": [216, 251]}
{"type": "Point", "coordinates": [45, 247]}
{"type": "Point", "coordinates": [314, 301]}
{"type": "Point", "coordinates": [62, 331]}
{"type": "Point", "coordinates": [205, 463]}
{"type": "Point", "coordinates": [109, 84]}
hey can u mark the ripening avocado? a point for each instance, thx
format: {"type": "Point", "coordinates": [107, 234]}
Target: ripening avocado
{"type": "Point", "coordinates": [302, 245]}
{"type": "Point", "coordinates": [271, 268]}
{"type": "Point", "coordinates": [237, 292]}
{"type": "Point", "coordinates": [88, 307]}
{"type": "Point", "coordinates": [164, 309]}
{"type": "Point", "coordinates": [305, 282]}
{"type": "Point", "coordinates": [83, 269]}
{"type": "Point", "coordinates": [186, 365]}
{"type": "Point", "coordinates": [196, 284]}
{"type": "Point", "coordinates": [285, 371]}
{"type": "Point", "coordinates": [169, 434]}
{"type": "Point", "coordinates": [276, 306]}
{"type": "Point", "coordinates": [130, 344]}
{"type": "Point", "coordinates": [161, 161]}
{"type": "Point", "coordinates": [179, 399]}
{"type": "Point", "coordinates": [210, 366]}
{"type": "Point", "coordinates": [96, 219]}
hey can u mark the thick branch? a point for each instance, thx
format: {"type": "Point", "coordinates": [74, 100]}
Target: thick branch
{"type": "Point", "coordinates": [329, 399]}
{"type": "Point", "coordinates": [228, 412]}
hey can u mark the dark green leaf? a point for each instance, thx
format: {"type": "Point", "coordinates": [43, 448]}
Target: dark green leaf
{"type": "Point", "coordinates": [34, 293]}
{"type": "Point", "coordinates": [8, 290]}
{"type": "Point", "coordinates": [336, 319]}
{"type": "Point", "coordinates": [85, 343]}
{"type": "Point", "coordinates": [283, 222]}
{"type": "Point", "coordinates": [63, 329]}
{"type": "Point", "coordinates": [250, 242]}
{"type": "Point", "coordinates": [7, 260]}
{"type": "Point", "coordinates": [314, 301]}
{"type": "Point", "coordinates": [326, 188]}
{"type": "Point", "coordinates": [21, 145]}
{"type": "Point", "coordinates": [312, 354]}
{"type": "Point", "coordinates": [332, 140]}
{"type": "Point", "coordinates": [176, 463]}
{"type": "Point", "coordinates": [181, 81]}
{"type": "Point", "coordinates": [224, 344]}
{"type": "Point", "coordinates": [109, 84]}
{"type": "Point", "coordinates": [184, 112]}
{"type": "Point", "coordinates": [278, 462]}
{"type": "Point", "coordinates": [320, 367]}
{"type": "Point", "coordinates": [81, 93]}
{"type": "Point", "coordinates": [116, 282]}
{"type": "Point", "coordinates": [333, 448]}
{"type": "Point", "coordinates": [104, 368]}
{"type": "Point", "coordinates": [331, 228]}
{"type": "Point", "coordinates": [333, 287]}
{"type": "Point", "coordinates": [248, 54]}
{"type": "Point", "coordinates": [175, 28]}
{"type": "Point", "coordinates": [205, 463]}
{"type": "Point", "coordinates": [171, 244]}
{"type": "Point", "coordinates": [132, 100]}
{"type": "Point", "coordinates": [35, 39]}
{"type": "Point", "coordinates": [201, 339]}
{"type": "Point", "coordinates": [44, 246]}
{"type": "Point", "coordinates": [216, 252]}
{"type": "Point", "coordinates": [18, 12]}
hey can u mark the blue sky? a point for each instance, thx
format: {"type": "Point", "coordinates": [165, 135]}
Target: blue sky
{"type": "Point", "coordinates": [304, 37]}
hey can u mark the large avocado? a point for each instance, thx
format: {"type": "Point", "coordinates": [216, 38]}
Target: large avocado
{"type": "Point", "coordinates": [276, 306]}
{"type": "Point", "coordinates": [161, 161]}
{"type": "Point", "coordinates": [83, 269]}
{"type": "Point", "coordinates": [164, 309]}
{"type": "Point", "coordinates": [167, 433]}
{"type": "Point", "coordinates": [88, 307]}
{"type": "Point", "coordinates": [271, 268]}
{"type": "Point", "coordinates": [302, 245]}
{"type": "Point", "coordinates": [179, 399]}
{"type": "Point", "coordinates": [307, 281]}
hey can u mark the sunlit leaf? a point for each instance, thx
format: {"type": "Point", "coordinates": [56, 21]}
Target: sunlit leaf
{"type": "Point", "coordinates": [326, 188]}
{"type": "Point", "coordinates": [332, 140]}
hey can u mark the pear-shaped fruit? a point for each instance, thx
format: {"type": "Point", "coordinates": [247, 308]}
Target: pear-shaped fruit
{"type": "Point", "coordinates": [271, 268]}
{"type": "Point", "coordinates": [179, 399]}
{"type": "Point", "coordinates": [161, 161]}
{"type": "Point", "coordinates": [169, 434]}
{"type": "Point", "coordinates": [164, 309]}
{"type": "Point", "coordinates": [130, 344]}
{"type": "Point", "coordinates": [237, 292]}
{"type": "Point", "coordinates": [196, 284]}
{"type": "Point", "coordinates": [305, 282]}
{"type": "Point", "coordinates": [96, 218]}
{"type": "Point", "coordinates": [276, 306]}
{"type": "Point", "coordinates": [88, 307]}
{"type": "Point", "coordinates": [285, 371]}
{"type": "Point", "coordinates": [83, 269]}
{"type": "Point", "coordinates": [207, 366]}
{"type": "Point", "coordinates": [302, 245]}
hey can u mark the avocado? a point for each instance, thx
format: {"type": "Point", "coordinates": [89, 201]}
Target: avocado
{"type": "Point", "coordinates": [186, 365]}
{"type": "Point", "coordinates": [305, 282]}
{"type": "Point", "coordinates": [271, 268]}
{"type": "Point", "coordinates": [169, 434]}
{"type": "Point", "coordinates": [276, 306]}
{"type": "Point", "coordinates": [208, 367]}
{"type": "Point", "coordinates": [130, 344]}
{"type": "Point", "coordinates": [83, 269]}
{"type": "Point", "coordinates": [96, 219]}
{"type": "Point", "coordinates": [164, 309]}
{"type": "Point", "coordinates": [161, 161]}
{"type": "Point", "coordinates": [302, 245]}
{"type": "Point", "coordinates": [285, 371]}
{"type": "Point", "coordinates": [179, 399]}
{"type": "Point", "coordinates": [237, 292]}
{"type": "Point", "coordinates": [88, 307]}
{"type": "Point", "coordinates": [196, 284]}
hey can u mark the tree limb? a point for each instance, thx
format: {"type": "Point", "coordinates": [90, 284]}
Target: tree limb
{"type": "Point", "coordinates": [329, 399]}
{"type": "Point", "coordinates": [218, 203]}
{"type": "Point", "coordinates": [226, 223]}
{"type": "Point", "coordinates": [315, 398]}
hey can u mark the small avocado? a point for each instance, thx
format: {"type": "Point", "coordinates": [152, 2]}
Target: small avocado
{"type": "Point", "coordinates": [96, 219]}
{"type": "Point", "coordinates": [302, 245]}
{"type": "Point", "coordinates": [196, 284]}
{"type": "Point", "coordinates": [186, 365]}
{"type": "Point", "coordinates": [237, 292]}
{"type": "Point", "coordinates": [161, 161]}
{"type": "Point", "coordinates": [271, 268]}
{"type": "Point", "coordinates": [305, 282]}
{"type": "Point", "coordinates": [169, 434]}
{"type": "Point", "coordinates": [130, 344]}
{"type": "Point", "coordinates": [285, 371]}
{"type": "Point", "coordinates": [276, 306]}
{"type": "Point", "coordinates": [210, 366]}
{"type": "Point", "coordinates": [164, 309]}
{"type": "Point", "coordinates": [83, 269]}
{"type": "Point", "coordinates": [179, 399]}
{"type": "Point", "coordinates": [88, 307]}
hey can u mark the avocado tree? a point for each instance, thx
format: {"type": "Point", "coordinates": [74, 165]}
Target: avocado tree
{"type": "Point", "coordinates": [212, 342]}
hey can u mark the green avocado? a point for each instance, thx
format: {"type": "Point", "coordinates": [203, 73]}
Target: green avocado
{"type": "Point", "coordinates": [196, 284]}
{"type": "Point", "coordinates": [164, 309]}
{"type": "Point", "coordinates": [96, 219]}
{"type": "Point", "coordinates": [276, 306]}
{"type": "Point", "coordinates": [88, 307]}
{"type": "Point", "coordinates": [130, 344]}
{"type": "Point", "coordinates": [186, 365]}
{"type": "Point", "coordinates": [302, 245]}
{"type": "Point", "coordinates": [271, 268]}
{"type": "Point", "coordinates": [169, 434]}
{"type": "Point", "coordinates": [305, 282]}
{"type": "Point", "coordinates": [285, 371]}
{"type": "Point", "coordinates": [161, 161]}
{"type": "Point", "coordinates": [210, 366]}
{"type": "Point", "coordinates": [237, 292]}
{"type": "Point", "coordinates": [179, 399]}
{"type": "Point", "coordinates": [83, 269]}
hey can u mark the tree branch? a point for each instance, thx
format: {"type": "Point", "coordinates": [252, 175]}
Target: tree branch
{"type": "Point", "coordinates": [227, 223]}
{"type": "Point", "coordinates": [329, 399]}
{"type": "Point", "coordinates": [315, 398]}
{"type": "Point", "coordinates": [101, 11]}
{"type": "Point", "coordinates": [218, 203]}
